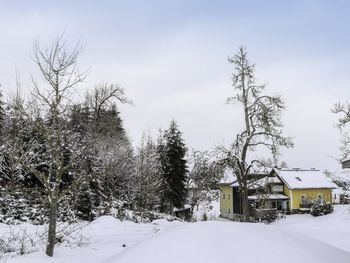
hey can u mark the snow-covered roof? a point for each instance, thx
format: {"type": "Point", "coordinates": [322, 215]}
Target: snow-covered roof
{"type": "Point", "coordinates": [304, 179]}
{"type": "Point", "coordinates": [268, 196]}
{"type": "Point", "coordinates": [234, 184]}
{"type": "Point", "coordinates": [260, 170]}
{"type": "Point", "coordinates": [263, 182]}
{"type": "Point", "coordinates": [175, 209]}
{"type": "Point", "coordinates": [228, 178]}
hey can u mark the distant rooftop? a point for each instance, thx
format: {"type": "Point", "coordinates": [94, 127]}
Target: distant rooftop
{"type": "Point", "coordinates": [345, 163]}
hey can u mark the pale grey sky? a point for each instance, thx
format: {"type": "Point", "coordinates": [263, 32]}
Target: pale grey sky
{"type": "Point", "coordinates": [172, 60]}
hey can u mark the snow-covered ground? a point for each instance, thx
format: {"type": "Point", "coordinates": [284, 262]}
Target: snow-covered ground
{"type": "Point", "coordinates": [333, 229]}
{"type": "Point", "coordinates": [298, 238]}
{"type": "Point", "coordinates": [97, 241]}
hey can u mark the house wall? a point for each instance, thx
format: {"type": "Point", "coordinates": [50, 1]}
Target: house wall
{"type": "Point", "coordinates": [295, 196]}
{"type": "Point", "coordinates": [237, 196]}
{"type": "Point", "coordinates": [226, 195]}
{"type": "Point", "coordinates": [287, 192]}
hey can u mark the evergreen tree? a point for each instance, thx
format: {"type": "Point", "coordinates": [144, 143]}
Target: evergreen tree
{"type": "Point", "coordinates": [174, 169]}
{"type": "Point", "coordinates": [109, 122]}
{"type": "Point", "coordinates": [20, 190]}
{"type": "Point", "coordinates": [16, 134]}
{"type": "Point", "coordinates": [117, 161]}
{"type": "Point", "coordinates": [78, 121]}
{"type": "Point", "coordinates": [2, 118]}
{"type": "Point", "coordinates": [106, 165]}
{"type": "Point", "coordinates": [88, 191]}
{"type": "Point", "coordinates": [147, 173]}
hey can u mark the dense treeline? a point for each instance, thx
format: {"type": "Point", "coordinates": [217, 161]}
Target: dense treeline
{"type": "Point", "coordinates": [107, 173]}
{"type": "Point", "coordinates": [95, 143]}
{"type": "Point", "coordinates": [64, 160]}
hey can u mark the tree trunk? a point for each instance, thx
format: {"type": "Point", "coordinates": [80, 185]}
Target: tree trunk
{"type": "Point", "coordinates": [245, 205]}
{"type": "Point", "coordinates": [51, 239]}
{"type": "Point", "coordinates": [172, 206]}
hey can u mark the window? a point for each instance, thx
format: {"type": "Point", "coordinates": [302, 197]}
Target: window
{"type": "Point", "coordinates": [228, 196]}
{"type": "Point", "coordinates": [298, 178]}
{"type": "Point", "coordinates": [229, 210]}
{"type": "Point", "coordinates": [302, 199]}
{"type": "Point", "coordinates": [277, 188]}
{"type": "Point", "coordinates": [320, 196]}
{"type": "Point", "coordinates": [223, 196]}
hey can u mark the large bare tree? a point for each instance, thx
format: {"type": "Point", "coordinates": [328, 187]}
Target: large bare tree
{"type": "Point", "coordinates": [262, 126]}
{"type": "Point", "coordinates": [59, 78]}
{"type": "Point", "coordinates": [343, 110]}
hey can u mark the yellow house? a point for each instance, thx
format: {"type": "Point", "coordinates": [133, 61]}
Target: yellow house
{"type": "Point", "coordinates": [303, 187]}
{"type": "Point", "coordinates": [262, 185]}
{"type": "Point", "coordinates": [289, 190]}
{"type": "Point", "coordinates": [226, 195]}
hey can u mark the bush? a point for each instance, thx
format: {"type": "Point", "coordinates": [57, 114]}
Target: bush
{"type": "Point", "coordinates": [328, 208]}
{"type": "Point", "coordinates": [205, 217]}
{"type": "Point", "coordinates": [320, 207]}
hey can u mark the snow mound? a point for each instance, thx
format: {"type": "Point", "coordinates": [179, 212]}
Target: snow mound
{"type": "Point", "coordinates": [165, 222]}
{"type": "Point", "coordinates": [332, 229]}
{"type": "Point", "coordinates": [106, 222]}
{"type": "Point", "coordinates": [208, 242]}
{"type": "Point", "coordinates": [106, 219]}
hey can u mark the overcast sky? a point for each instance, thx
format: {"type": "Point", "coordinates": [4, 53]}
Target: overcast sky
{"type": "Point", "coordinates": [172, 60]}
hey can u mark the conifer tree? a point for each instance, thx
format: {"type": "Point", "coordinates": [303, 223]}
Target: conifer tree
{"type": "Point", "coordinates": [147, 173]}
{"type": "Point", "coordinates": [2, 117]}
{"type": "Point", "coordinates": [174, 169]}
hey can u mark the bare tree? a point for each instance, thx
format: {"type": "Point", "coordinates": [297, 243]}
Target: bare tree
{"type": "Point", "coordinates": [262, 123]}
{"type": "Point", "coordinates": [60, 76]}
{"type": "Point", "coordinates": [204, 174]}
{"type": "Point", "coordinates": [105, 95]}
{"type": "Point", "coordinates": [343, 110]}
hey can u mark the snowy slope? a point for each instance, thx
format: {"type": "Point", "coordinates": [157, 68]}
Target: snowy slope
{"type": "Point", "coordinates": [298, 238]}
{"type": "Point", "coordinates": [333, 229]}
{"type": "Point", "coordinates": [107, 236]}
{"type": "Point", "coordinates": [209, 242]}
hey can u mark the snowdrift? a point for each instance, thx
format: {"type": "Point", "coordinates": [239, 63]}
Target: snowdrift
{"type": "Point", "coordinates": [209, 242]}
